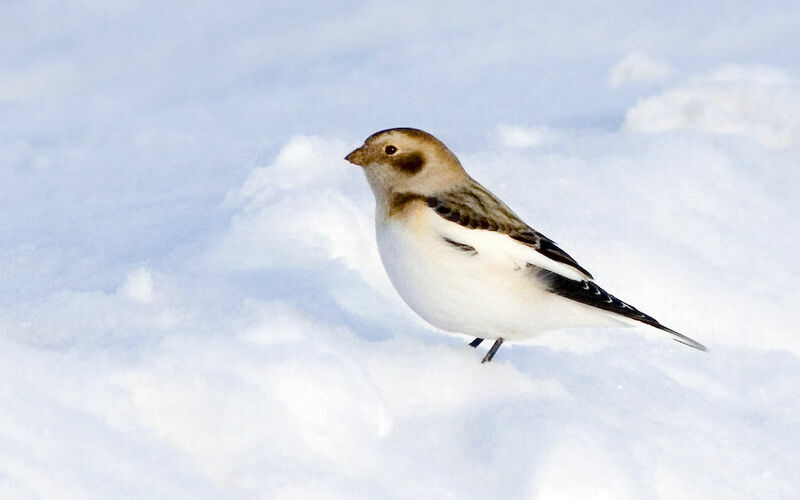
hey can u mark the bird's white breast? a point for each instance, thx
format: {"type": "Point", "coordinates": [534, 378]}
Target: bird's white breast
{"type": "Point", "coordinates": [486, 294]}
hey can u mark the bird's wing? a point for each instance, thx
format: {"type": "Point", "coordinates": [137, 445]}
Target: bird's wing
{"type": "Point", "coordinates": [587, 292]}
{"type": "Point", "coordinates": [485, 225]}
{"type": "Point", "coordinates": [473, 207]}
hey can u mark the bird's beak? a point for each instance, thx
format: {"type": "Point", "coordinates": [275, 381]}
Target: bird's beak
{"type": "Point", "coordinates": [356, 157]}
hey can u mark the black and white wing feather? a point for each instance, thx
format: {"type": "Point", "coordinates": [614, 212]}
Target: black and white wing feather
{"type": "Point", "coordinates": [477, 208]}
{"type": "Point", "coordinates": [473, 207]}
{"type": "Point", "coordinates": [589, 293]}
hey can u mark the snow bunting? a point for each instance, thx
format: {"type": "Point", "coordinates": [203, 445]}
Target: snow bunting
{"type": "Point", "coordinates": [466, 263]}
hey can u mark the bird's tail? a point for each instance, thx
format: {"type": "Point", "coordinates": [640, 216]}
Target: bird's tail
{"type": "Point", "coordinates": [679, 337]}
{"type": "Point", "coordinates": [589, 293]}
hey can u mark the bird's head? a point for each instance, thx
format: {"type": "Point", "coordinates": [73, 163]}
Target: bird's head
{"type": "Point", "coordinates": [407, 160]}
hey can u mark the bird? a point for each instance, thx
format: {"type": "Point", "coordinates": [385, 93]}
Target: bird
{"type": "Point", "coordinates": [464, 261]}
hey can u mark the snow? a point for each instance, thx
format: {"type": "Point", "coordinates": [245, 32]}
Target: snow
{"type": "Point", "coordinates": [525, 137]}
{"type": "Point", "coordinates": [635, 68]}
{"type": "Point", "coordinates": [759, 103]}
{"type": "Point", "coordinates": [191, 300]}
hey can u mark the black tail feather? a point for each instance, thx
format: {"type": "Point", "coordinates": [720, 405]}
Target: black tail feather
{"type": "Point", "coordinates": [587, 292]}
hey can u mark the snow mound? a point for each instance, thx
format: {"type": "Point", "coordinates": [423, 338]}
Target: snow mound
{"type": "Point", "coordinates": [760, 103]}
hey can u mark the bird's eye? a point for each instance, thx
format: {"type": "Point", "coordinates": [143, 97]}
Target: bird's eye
{"type": "Point", "coordinates": [390, 150]}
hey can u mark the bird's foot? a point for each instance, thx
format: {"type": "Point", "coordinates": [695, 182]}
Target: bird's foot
{"type": "Point", "coordinates": [490, 354]}
{"type": "Point", "coordinates": [476, 342]}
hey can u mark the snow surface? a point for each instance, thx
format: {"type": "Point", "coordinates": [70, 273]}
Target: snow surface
{"type": "Point", "coordinates": [191, 301]}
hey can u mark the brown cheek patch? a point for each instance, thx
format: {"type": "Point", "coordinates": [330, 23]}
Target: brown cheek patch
{"type": "Point", "coordinates": [410, 163]}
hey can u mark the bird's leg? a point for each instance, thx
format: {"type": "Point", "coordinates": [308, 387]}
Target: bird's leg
{"type": "Point", "coordinates": [495, 347]}
{"type": "Point", "coordinates": [476, 342]}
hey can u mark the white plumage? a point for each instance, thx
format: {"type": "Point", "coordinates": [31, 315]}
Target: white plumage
{"type": "Point", "coordinates": [487, 294]}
